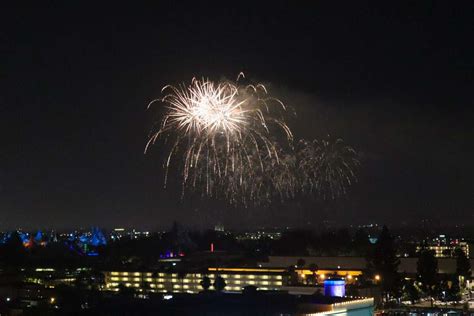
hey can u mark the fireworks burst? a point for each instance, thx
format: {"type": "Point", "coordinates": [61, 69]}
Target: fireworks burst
{"type": "Point", "coordinates": [326, 168]}
{"type": "Point", "coordinates": [223, 133]}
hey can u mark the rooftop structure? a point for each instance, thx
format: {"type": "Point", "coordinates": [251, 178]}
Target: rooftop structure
{"type": "Point", "coordinates": [342, 264]}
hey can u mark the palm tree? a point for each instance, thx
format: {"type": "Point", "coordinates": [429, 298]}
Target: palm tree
{"type": "Point", "coordinates": [219, 284]}
{"type": "Point", "coordinates": [205, 283]}
{"type": "Point", "coordinates": [145, 286]}
{"type": "Point", "coordinates": [182, 275]}
{"type": "Point", "coordinates": [293, 276]}
{"type": "Point", "coordinates": [312, 279]}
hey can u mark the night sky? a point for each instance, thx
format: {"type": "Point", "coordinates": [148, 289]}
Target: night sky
{"type": "Point", "coordinates": [393, 80]}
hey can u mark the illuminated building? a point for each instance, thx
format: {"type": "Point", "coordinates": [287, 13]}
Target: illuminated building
{"type": "Point", "coordinates": [117, 233]}
{"type": "Point", "coordinates": [444, 247]}
{"type": "Point", "coordinates": [263, 279]}
{"type": "Point", "coordinates": [153, 281]}
{"type": "Point", "coordinates": [341, 265]}
{"type": "Point", "coordinates": [236, 279]}
{"type": "Point", "coordinates": [219, 228]}
{"type": "Point", "coordinates": [275, 235]}
{"type": "Point", "coordinates": [349, 275]}
{"type": "Point", "coordinates": [335, 287]}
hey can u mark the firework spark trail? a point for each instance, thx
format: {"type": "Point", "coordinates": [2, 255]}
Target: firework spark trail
{"type": "Point", "coordinates": [326, 167]}
{"type": "Point", "coordinates": [224, 133]}
{"type": "Point", "coordinates": [224, 136]}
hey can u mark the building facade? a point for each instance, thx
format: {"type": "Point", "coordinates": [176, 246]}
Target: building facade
{"type": "Point", "coordinates": [236, 279]}
{"type": "Point", "coordinates": [446, 251]}
{"type": "Point", "coordinates": [444, 246]}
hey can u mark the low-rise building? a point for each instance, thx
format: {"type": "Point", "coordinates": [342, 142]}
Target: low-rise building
{"type": "Point", "coordinates": [446, 251]}
{"type": "Point", "coordinates": [341, 264]}
{"type": "Point", "coordinates": [444, 247]}
{"type": "Point", "coordinates": [236, 279]}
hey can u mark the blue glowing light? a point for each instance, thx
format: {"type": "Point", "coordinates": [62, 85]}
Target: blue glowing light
{"type": "Point", "coordinates": [335, 287]}
{"type": "Point", "coordinates": [39, 237]}
{"type": "Point", "coordinates": [25, 238]}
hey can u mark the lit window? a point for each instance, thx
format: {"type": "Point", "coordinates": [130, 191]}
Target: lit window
{"type": "Point", "coordinates": [136, 285]}
{"type": "Point", "coordinates": [265, 282]}
{"type": "Point", "coordinates": [136, 279]}
{"type": "Point", "coordinates": [114, 273]}
{"type": "Point", "coordinates": [277, 283]}
{"type": "Point", "coordinates": [152, 285]}
{"type": "Point", "coordinates": [251, 276]}
{"type": "Point", "coordinates": [148, 279]}
{"type": "Point", "coordinates": [237, 282]}
{"type": "Point", "coordinates": [115, 279]}
{"type": "Point", "coordinates": [161, 274]}
{"type": "Point", "coordinates": [124, 279]}
{"type": "Point", "coordinates": [252, 282]}
{"type": "Point", "coordinates": [128, 284]}
{"type": "Point", "coordinates": [124, 273]}
{"type": "Point", "coordinates": [278, 277]}
{"type": "Point", "coordinates": [237, 276]}
{"type": "Point", "coordinates": [224, 275]}
{"type": "Point", "coordinates": [137, 273]}
{"type": "Point", "coordinates": [265, 277]}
